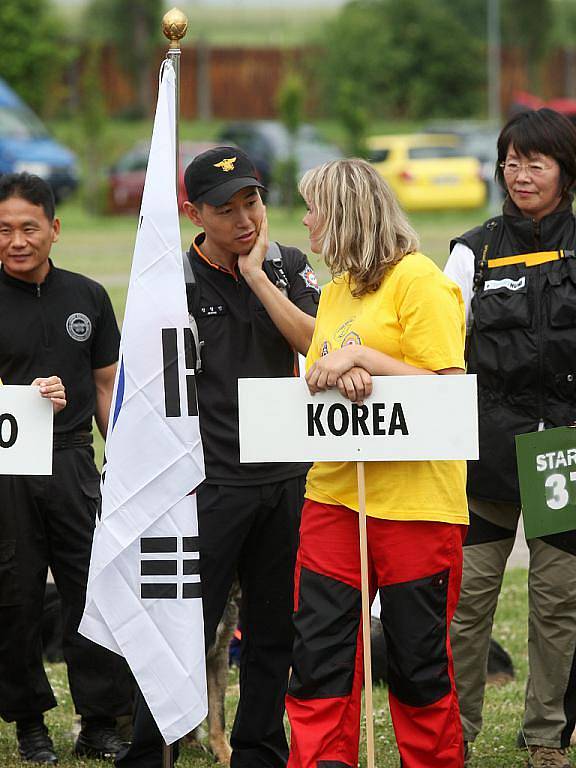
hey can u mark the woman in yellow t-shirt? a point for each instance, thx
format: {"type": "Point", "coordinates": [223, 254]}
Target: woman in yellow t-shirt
{"type": "Point", "coordinates": [388, 311]}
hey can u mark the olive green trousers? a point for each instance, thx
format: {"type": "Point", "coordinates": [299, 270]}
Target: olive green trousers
{"type": "Point", "coordinates": [550, 704]}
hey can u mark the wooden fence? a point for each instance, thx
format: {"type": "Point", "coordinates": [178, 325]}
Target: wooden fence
{"type": "Point", "coordinates": [243, 83]}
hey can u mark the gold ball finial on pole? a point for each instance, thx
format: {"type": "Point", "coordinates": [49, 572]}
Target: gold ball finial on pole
{"type": "Point", "coordinates": [174, 26]}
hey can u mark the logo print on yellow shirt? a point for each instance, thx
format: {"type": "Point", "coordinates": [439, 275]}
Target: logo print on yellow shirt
{"type": "Point", "coordinates": [352, 338]}
{"type": "Point", "coordinates": [227, 164]}
{"type": "Point", "coordinates": [325, 348]}
{"type": "Point", "coordinates": [344, 329]}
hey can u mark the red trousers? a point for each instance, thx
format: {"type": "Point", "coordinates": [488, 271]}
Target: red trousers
{"type": "Point", "coordinates": [417, 567]}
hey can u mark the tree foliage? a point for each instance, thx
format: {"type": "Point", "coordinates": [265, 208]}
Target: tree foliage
{"type": "Point", "coordinates": [135, 27]}
{"type": "Point", "coordinates": [423, 58]}
{"type": "Point", "coordinates": [407, 58]}
{"type": "Point", "coordinates": [33, 54]}
{"type": "Point", "coordinates": [291, 111]}
{"type": "Point", "coordinates": [525, 25]}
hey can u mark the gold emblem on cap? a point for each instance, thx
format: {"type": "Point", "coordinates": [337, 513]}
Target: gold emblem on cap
{"type": "Point", "coordinates": [227, 164]}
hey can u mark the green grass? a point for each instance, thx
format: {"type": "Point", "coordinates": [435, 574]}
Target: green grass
{"type": "Point", "coordinates": [495, 747]}
{"type": "Point", "coordinates": [232, 24]}
{"type": "Point", "coordinates": [266, 25]}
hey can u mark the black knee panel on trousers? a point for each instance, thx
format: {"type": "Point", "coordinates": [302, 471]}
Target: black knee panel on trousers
{"type": "Point", "coordinates": [326, 633]}
{"type": "Point", "coordinates": [332, 764]}
{"type": "Point", "coordinates": [414, 621]}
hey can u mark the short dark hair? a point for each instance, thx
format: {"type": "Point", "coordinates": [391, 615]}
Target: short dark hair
{"type": "Point", "coordinates": [29, 187]}
{"type": "Point", "coordinates": [546, 132]}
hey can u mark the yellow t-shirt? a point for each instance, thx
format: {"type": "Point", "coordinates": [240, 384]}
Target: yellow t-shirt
{"type": "Point", "coordinates": [417, 316]}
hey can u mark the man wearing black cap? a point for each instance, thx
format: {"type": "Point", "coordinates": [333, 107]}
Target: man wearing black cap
{"type": "Point", "coordinates": [248, 514]}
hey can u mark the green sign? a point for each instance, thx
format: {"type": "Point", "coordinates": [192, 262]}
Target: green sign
{"type": "Point", "coordinates": [547, 474]}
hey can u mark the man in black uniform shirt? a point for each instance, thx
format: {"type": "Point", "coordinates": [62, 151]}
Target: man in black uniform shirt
{"type": "Point", "coordinates": [248, 514]}
{"type": "Point", "coordinates": [51, 319]}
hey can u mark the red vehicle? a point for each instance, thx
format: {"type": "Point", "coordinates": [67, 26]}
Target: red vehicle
{"type": "Point", "coordinates": [522, 100]}
{"type": "Point", "coordinates": [126, 177]}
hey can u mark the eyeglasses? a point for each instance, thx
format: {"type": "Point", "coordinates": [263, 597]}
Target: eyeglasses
{"type": "Point", "coordinates": [513, 167]}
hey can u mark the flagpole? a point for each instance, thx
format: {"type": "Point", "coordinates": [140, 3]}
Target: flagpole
{"type": "Point", "coordinates": [365, 586]}
{"type": "Point", "coordinates": [174, 27]}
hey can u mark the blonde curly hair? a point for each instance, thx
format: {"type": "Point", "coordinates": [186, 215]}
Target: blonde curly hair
{"type": "Point", "coordinates": [362, 229]}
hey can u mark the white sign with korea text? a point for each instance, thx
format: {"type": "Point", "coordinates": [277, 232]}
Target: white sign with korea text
{"type": "Point", "coordinates": [406, 418]}
{"type": "Point", "coordinates": [25, 432]}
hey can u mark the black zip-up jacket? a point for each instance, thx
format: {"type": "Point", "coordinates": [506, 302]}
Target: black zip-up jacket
{"type": "Point", "coordinates": [523, 340]}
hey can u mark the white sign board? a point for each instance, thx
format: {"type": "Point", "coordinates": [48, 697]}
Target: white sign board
{"type": "Point", "coordinates": [406, 418]}
{"type": "Point", "coordinates": [25, 432]}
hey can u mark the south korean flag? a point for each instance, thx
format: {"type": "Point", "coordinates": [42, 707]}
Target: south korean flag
{"type": "Point", "coordinates": [144, 591]}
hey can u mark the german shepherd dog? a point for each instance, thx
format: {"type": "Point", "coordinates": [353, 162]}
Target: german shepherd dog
{"type": "Point", "coordinates": [217, 663]}
{"type": "Point", "coordinates": [216, 670]}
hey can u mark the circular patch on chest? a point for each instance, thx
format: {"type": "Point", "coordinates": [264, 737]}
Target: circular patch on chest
{"type": "Point", "coordinates": [79, 326]}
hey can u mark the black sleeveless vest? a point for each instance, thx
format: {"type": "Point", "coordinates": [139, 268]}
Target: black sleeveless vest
{"type": "Point", "coordinates": [523, 340]}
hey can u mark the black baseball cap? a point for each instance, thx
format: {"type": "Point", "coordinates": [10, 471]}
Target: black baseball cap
{"type": "Point", "coordinates": [217, 174]}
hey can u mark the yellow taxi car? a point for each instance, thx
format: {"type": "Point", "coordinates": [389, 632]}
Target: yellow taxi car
{"type": "Point", "coordinates": [428, 171]}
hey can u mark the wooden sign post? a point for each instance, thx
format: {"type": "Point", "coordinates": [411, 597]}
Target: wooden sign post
{"type": "Point", "coordinates": [406, 418]}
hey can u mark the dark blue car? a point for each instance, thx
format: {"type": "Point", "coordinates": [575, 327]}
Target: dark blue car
{"type": "Point", "coordinates": [26, 145]}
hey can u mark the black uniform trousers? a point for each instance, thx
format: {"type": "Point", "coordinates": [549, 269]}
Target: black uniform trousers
{"type": "Point", "coordinates": [251, 532]}
{"type": "Point", "coordinates": [49, 522]}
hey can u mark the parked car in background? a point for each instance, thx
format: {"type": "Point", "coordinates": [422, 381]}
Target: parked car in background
{"type": "Point", "coordinates": [427, 171]}
{"type": "Point", "coordinates": [474, 138]}
{"type": "Point", "coordinates": [126, 178]}
{"type": "Point", "coordinates": [268, 143]}
{"type": "Point", "coordinates": [26, 145]}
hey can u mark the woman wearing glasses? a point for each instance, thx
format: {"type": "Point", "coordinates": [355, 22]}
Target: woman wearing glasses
{"type": "Point", "coordinates": [517, 273]}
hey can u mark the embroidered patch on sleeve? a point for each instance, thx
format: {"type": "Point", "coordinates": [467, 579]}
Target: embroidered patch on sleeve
{"type": "Point", "coordinates": [309, 277]}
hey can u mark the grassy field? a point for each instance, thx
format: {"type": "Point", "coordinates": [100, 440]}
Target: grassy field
{"type": "Point", "coordinates": [228, 24]}
{"type": "Point", "coordinates": [495, 748]}
{"type": "Point", "coordinates": [102, 248]}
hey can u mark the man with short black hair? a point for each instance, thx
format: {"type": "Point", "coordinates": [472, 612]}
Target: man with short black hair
{"type": "Point", "coordinates": [251, 313]}
{"type": "Point", "coordinates": [51, 319]}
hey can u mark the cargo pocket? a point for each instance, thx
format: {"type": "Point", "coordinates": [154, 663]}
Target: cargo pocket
{"type": "Point", "coordinates": [89, 482]}
{"type": "Point", "coordinates": [503, 303]}
{"type": "Point", "coordinates": [9, 589]}
{"type": "Point", "coordinates": [414, 622]}
{"type": "Point", "coordinates": [565, 385]}
{"type": "Point", "coordinates": [562, 298]}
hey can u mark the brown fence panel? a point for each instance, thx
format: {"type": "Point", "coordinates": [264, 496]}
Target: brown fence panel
{"type": "Point", "coordinates": [243, 83]}
{"type": "Point", "coordinates": [224, 83]}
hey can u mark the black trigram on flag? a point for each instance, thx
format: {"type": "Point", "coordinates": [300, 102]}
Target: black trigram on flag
{"type": "Point", "coordinates": [172, 373]}
{"type": "Point", "coordinates": [164, 577]}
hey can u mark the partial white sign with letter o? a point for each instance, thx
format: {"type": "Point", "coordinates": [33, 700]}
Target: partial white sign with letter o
{"type": "Point", "coordinates": [25, 432]}
{"type": "Point", "coordinates": [406, 418]}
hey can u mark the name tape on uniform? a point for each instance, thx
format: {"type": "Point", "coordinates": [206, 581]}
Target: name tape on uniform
{"type": "Point", "coordinates": [25, 432]}
{"type": "Point", "coordinates": [406, 418]}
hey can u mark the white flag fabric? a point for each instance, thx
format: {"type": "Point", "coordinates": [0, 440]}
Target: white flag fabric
{"type": "Point", "coordinates": [143, 599]}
